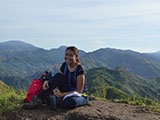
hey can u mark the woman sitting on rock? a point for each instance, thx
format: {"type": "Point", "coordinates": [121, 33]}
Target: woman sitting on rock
{"type": "Point", "coordinates": [70, 82]}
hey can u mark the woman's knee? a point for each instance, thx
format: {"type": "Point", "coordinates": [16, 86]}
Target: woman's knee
{"type": "Point", "coordinates": [69, 103]}
{"type": "Point", "coordinates": [73, 102]}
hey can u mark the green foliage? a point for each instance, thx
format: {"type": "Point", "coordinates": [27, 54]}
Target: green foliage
{"type": "Point", "coordinates": [118, 83]}
{"type": "Point", "coordinates": [9, 98]}
{"type": "Point", "coordinates": [121, 86]}
{"type": "Point", "coordinates": [114, 93]}
{"type": "Point", "coordinates": [137, 100]}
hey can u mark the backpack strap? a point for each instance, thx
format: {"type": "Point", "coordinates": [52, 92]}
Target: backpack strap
{"type": "Point", "coordinates": [65, 69]}
{"type": "Point", "coordinates": [69, 80]}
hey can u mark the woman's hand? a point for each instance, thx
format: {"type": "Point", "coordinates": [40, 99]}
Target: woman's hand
{"type": "Point", "coordinates": [45, 85]}
{"type": "Point", "coordinates": [58, 93]}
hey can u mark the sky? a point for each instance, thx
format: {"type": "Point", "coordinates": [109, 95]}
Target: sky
{"type": "Point", "coordinates": [86, 24]}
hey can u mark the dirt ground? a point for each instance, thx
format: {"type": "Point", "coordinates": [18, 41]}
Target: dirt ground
{"type": "Point", "coordinates": [100, 110]}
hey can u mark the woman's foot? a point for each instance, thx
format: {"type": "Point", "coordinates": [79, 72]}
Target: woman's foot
{"type": "Point", "coordinates": [35, 102]}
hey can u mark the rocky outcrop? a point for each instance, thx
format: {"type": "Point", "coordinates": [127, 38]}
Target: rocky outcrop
{"type": "Point", "coordinates": [99, 110]}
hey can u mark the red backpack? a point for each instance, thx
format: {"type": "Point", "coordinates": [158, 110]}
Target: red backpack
{"type": "Point", "coordinates": [34, 89]}
{"type": "Point", "coordinates": [36, 86]}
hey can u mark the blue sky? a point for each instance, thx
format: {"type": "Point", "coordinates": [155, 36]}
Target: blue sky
{"type": "Point", "coordinates": [87, 24]}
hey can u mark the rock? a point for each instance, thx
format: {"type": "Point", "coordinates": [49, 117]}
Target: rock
{"type": "Point", "coordinates": [100, 110]}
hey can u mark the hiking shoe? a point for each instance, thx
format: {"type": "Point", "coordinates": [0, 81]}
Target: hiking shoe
{"type": "Point", "coordinates": [35, 102]}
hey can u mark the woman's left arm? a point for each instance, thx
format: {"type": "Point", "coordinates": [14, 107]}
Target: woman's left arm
{"type": "Point", "coordinates": [80, 83]}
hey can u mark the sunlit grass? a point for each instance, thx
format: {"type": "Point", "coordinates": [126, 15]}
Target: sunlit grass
{"type": "Point", "coordinates": [136, 100]}
{"type": "Point", "coordinates": [10, 99]}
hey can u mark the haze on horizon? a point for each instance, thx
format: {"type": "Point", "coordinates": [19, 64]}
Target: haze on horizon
{"type": "Point", "coordinates": [87, 24]}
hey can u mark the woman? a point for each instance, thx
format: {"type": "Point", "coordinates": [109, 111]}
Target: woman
{"type": "Point", "coordinates": [71, 79]}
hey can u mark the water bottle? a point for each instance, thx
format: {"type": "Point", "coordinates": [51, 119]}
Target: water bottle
{"type": "Point", "coordinates": [52, 102]}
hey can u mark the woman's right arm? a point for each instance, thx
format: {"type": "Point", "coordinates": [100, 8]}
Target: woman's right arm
{"type": "Point", "coordinates": [45, 85]}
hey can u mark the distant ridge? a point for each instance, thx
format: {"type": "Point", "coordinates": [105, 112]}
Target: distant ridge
{"type": "Point", "coordinates": [17, 45]}
{"type": "Point", "coordinates": [62, 47]}
{"type": "Point", "coordinates": [15, 42]}
{"type": "Point", "coordinates": [143, 64]}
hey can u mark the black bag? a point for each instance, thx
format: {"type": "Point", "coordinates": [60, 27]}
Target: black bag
{"type": "Point", "coordinates": [46, 76]}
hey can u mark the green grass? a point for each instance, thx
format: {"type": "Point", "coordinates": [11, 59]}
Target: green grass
{"type": "Point", "coordinates": [136, 100]}
{"type": "Point", "coordinates": [9, 98]}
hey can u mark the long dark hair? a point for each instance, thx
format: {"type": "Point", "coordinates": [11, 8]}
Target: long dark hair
{"type": "Point", "coordinates": [75, 51]}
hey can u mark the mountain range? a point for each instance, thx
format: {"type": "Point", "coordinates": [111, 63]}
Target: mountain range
{"type": "Point", "coordinates": [124, 71]}
{"type": "Point", "coordinates": [146, 65]}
